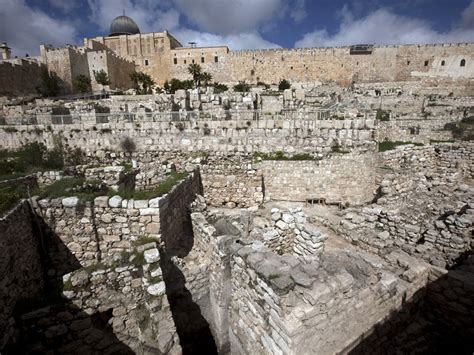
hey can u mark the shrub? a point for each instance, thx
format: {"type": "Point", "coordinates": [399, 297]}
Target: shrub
{"type": "Point", "coordinates": [175, 84]}
{"type": "Point", "coordinates": [49, 84]}
{"type": "Point", "coordinates": [128, 145]}
{"type": "Point", "coordinates": [283, 85]}
{"type": "Point", "coordinates": [220, 88]}
{"type": "Point", "coordinates": [382, 115]}
{"type": "Point", "coordinates": [242, 87]}
{"type": "Point", "coordinates": [388, 145]}
{"type": "Point", "coordinates": [82, 83]}
{"type": "Point", "coordinates": [101, 77]}
{"type": "Point", "coordinates": [143, 82]}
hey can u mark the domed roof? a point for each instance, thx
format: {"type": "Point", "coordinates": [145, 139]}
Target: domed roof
{"type": "Point", "coordinates": [123, 25]}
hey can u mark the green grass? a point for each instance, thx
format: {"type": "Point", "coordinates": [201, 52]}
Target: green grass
{"type": "Point", "coordinates": [164, 187]}
{"type": "Point", "coordinates": [388, 145]}
{"type": "Point", "coordinates": [12, 176]}
{"type": "Point", "coordinates": [382, 115]}
{"type": "Point", "coordinates": [434, 141]}
{"type": "Point", "coordinates": [281, 156]}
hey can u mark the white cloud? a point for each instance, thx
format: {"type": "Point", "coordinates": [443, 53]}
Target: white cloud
{"type": "Point", "coordinates": [468, 16]}
{"type": "Point", "coordinates": [231, 16]}
{"type": "Point", "coordinates": [246, 40]}
{"type": "Point", "coordinates": [298, 12]}
{"type": "Point", "coordinates": [24, 28]}
{"type": "Point", "coordinates": [384, 27]}
{"type": "Point", "coordinates": [152, 18]}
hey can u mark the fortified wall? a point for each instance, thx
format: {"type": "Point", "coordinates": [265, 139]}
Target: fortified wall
{"type": "Point", "coordinates": [20, 76]}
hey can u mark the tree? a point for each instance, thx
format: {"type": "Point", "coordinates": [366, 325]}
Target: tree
{"type": "Point", "coordinates": [242, 87]}
{"type": "Point", "coordinates": [82, 83]}
{"type": "Point", "coordinates": [49, 84]}
{"type": "Point", "coordinates": [283, 85]}
{"type": "Point", "coordinates": [196, 71]}
{"type": "Point", "coordinates": [176, 84]}
{"type": "Point", "coordinates": [143, 82]}
{"type": "Point", "coordinates": [101, 77]}
{"type": "Point", "coordinates": [206, 78]}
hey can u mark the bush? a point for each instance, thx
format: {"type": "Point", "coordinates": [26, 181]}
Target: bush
{"type": "Point", "coordinates": [82, 83]}
{"type": "Point", "coordinates": [283, 85]}
{"type": "Point", "coordinates": [175, 84]}
{"type": "Point", "coordinates": [388, 145]}
{"type": "Point", "coordinates": [463, 130]}
{"type": "Point", "coordinates": [143, 82]}
{"type": "Point", "coordinates": [220, 88]}
{"type": "Point", "coordinates": [49, 84]}
{"type": "Point", "coordinates": [382, 115]}
{"type": "Point", "coordinates": [101, 77]}
{"type": "Point", "coordinates": [128, 145]}
{"type": "Point", "coordinates": [242, 87]}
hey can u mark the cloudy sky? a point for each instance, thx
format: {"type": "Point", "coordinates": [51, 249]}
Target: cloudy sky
{"type": "Point", "coordinates": [241, 24]}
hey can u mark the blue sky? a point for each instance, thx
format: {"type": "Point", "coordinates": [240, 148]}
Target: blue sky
{"type": "Point", "coordinates": [241, 24]}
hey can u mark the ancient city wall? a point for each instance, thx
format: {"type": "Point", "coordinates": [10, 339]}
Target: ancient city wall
{"type": "Point", "coordinates": [339, 179]}
{"type": "Point", "coordinates": [19, 77]}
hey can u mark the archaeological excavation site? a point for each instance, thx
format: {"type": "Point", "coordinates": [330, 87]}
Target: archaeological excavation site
{"type": "Point", "coordinates": [308, 201]}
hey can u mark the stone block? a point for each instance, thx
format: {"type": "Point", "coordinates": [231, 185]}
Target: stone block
{"type": "Point", "coordinates": [158, 289]}
{"type": "Point", "coordinates": [115, 201]}
{"type": "Point", "coordinates": [70, 201]}
{"type": "Point", "coordinates": [149, 211]}
{"type": "Point", "coordinates": [151, 255]}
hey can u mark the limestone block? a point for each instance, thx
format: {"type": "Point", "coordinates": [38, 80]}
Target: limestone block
{"type": "Point", "coordinates": [149, 211]}
{"type": "Point", "coordinates": [151, 255]}
{"type": "Point", "coordinates": [140, 204]}
{"type": "Point", "coordinates": [158, 289]}
{"type": "Point", "coordinates": [155, 202]}
{"type": "Point", "coordinates": [101, 201]}
{"type": "Point", "coordinates": [70, 201]}
{"type": "Point", "coordinates": [115, 201]}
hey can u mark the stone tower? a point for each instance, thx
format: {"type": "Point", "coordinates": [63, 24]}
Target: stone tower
{"type": "Point", "coordinates": [5, 51]}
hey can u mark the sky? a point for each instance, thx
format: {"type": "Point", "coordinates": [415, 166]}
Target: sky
{"type": "Point", "coordinates": [241, 24]}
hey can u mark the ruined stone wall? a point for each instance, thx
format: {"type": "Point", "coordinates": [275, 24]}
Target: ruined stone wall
{"type": "Point", "coordinates": [19, 76]}
{"type": "Point", "coordinates": [105, 228]}
{"type": "Point", "coordinates": [267, 134]}
{"type": "Point", "coordinates": [21, 269]}
{"type": "Point", "coordinates": [117, 68]}
{"type": "Point", "coordinates": [337, 179]}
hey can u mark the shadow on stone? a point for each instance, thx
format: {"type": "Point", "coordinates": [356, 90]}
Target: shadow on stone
{"type": "Point", "coordinates": [438, 320]}
{"type": "Point", "coordinates": [50, 323]}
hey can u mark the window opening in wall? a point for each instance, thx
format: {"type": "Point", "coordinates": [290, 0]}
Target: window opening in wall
{"type": "Point", "coordinates": [175, 61]}
{"type": "Point", "coordinates": [202, 59]}
{"type": "Point", "coordinates": [443, 63]}
{"type": "Point", "coordinates": [426, 63]}
{"type": "Point", "coordinates": [193, 61]}
{"type": "Point", "coordinates": [146, 61]}
{"type": "Point", "coordinates": [216, 59]}
{"type": "Point", "coordinates": [185, 61]}
{"type": "Point", "coordinates": [408, 62]}
{"type": "Point", "coordinates": [252, 72]}
{"type": "Point", "coordinates": [291, 67]}
{"type": "Point", "coordinates": [463, 63]}
{"type": "Point", "coordinates": [316, 201]}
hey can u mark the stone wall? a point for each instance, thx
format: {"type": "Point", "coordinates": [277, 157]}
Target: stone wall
{"type": "Point", "coordinates": [105, 228]}
{"type": "Point", "coordinates": [20, 76]}
{"type": "Point", "coordinates": [339, 179]}
{"type": "Point", "coordinates": [21, 268]}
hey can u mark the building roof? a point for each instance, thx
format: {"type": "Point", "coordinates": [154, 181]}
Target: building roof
{"type": "Point", "coordinates": [123, 25]}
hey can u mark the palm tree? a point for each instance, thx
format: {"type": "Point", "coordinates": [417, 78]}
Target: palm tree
{"type": "Point", "coordinates": [195, 70]}
{"type": "Point", "coordinates": [206, 78]}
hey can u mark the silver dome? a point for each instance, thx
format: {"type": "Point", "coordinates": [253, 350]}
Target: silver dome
{"type": "Point", "coordinates": [123, 25]}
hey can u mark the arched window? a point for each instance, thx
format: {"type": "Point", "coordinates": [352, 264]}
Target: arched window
{"type": "Point", "coordinates": [463, 62]}
{"type": "Point", "coordinates": [443, 63]}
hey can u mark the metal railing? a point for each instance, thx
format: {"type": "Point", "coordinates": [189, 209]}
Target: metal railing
{"type": "Point", "coordinates": [179, 116]}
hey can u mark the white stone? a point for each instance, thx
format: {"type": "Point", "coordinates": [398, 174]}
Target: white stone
{"type": "Point", "coordinates": [101, 201]}
{"type": "Point", "coordinates": [282, 225]}
{"type": "Point", "coordinates": [287, 218]}
{"type": "Point", "coordinates": [115, 201]}
{"type": "Point", "coordinates": [157, 272]}
{"type": "Point", "coordinates": [153, 211]}
{"type": "Point", "coordinates": [158, 289]}
{"type": "Point", "coordinates": [140, 203]}
{"type": "Point", "coordinates": [151, 255]}
{"type": "Point", "coordinates": [155, 202]}
{"type": "Point", "coordinates": [70, 201]}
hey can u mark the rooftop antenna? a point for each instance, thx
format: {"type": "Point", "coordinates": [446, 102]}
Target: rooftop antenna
{"type": "Point", "coordinates": [123, 11]}
{"type": "Point", "coordinates": [193, 44]}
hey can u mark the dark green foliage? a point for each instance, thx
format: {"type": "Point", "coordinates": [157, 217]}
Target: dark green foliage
{"type": "Point", "coordinates": [281, 156]}
{"type": "Point", "coordinates": [49, 84]}
{"type": "Point", "coordinates": [283, 85]}
{"type": "Point", "coordinates": [382, 115]}
{"type": "Point", "coordinates": [101, 77]}
{"type": "Point", "coordinates": [143, 82]}
{"type": "Point", "coordinates": [175, 84]}
{"type": "Point", "coordinates": [82, 83]}
{"type": "Point", "coordinates": [128, 145]}
{"type": "Point", "coordinates": [388, 145]}
{"type": "Point", "coordinates": [261, 83]}
{"type": "Point", "coordinates": [242, 87]}
{"type": "Point", "coordinates": [10, 129]}
{"type": "Point", "coordinates": [219, 88]}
